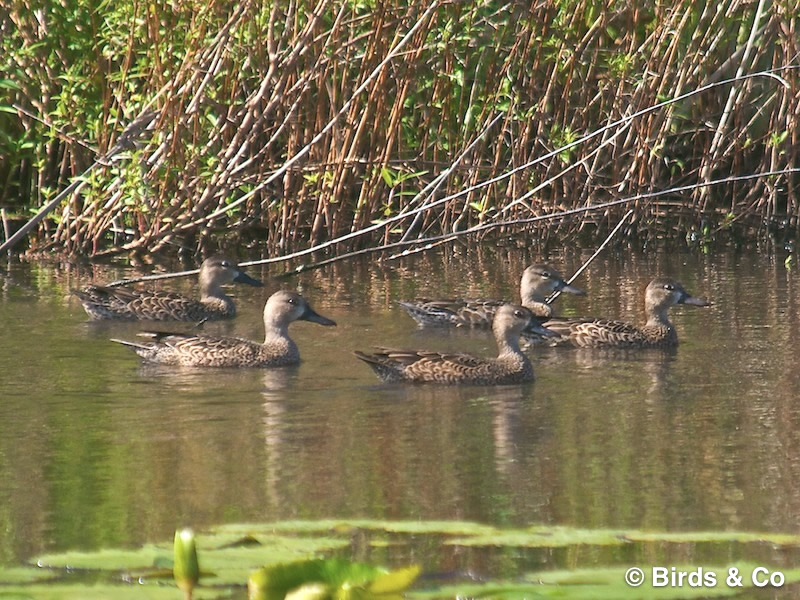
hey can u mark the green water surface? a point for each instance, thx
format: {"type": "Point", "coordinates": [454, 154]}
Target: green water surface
{"type": "Point", "coordinates": [99, 449]}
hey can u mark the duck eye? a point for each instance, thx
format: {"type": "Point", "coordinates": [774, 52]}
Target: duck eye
{"type": "Point", "coordinates": [669, 287]}
{"type": "Point", "coordinates": [292, 301]}
{"type": "Point", "coordinates": [519, 313]}
{"type": "Point", "coordinates": [225, 263]}
{"type": "Point", "coordinates": [546, 274]}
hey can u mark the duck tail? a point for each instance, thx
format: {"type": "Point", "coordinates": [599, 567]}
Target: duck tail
{"type": "Point", "coordinates": [130, 344]}
{"type": "Point", "coordinates": [367, 358]}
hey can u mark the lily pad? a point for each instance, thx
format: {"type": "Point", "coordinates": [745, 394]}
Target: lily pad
{"type": "Point", "coordinates": [385, 543]}
{"type": "Point", "coordinates": [610, 582]}
{"type": "Point", "coordinates": [108, 559]}
{"type": "Point", "coordinates": [502, 590]}
{"type": "Point", "coordinates": [599, 584]}
{"type": "Point", "coordinates": [344, 526]}
{"type": "Point", "coordinates": [742, 537]}
{"type": "Point", "coordinates": [74, 591]}
{"type": "Point", "coordinates": [217, 553]}
{"type": "Point", "coordinates": [229, 554]}
{"type": "Point", "coordinates": [234, 565]}
{"type": "Point", "coordinates": [544, 537]}
{"type": "Point", "coordinates": [25, 574]}
{"type": "Point", "coordinates": [556, 536]}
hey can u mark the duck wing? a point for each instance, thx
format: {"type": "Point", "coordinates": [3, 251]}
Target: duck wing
{"type": "Point", "coordinates": [588, 332]}
{"type": "Point", "coordinates": [427, 366]}
{"type": "Point", "coordinates": [201, 350]}
{"type": "Point", "coordinates": [185, 341]}
{"type": "Point", "coordinates": [124, 303]}
{"type": "Point", "coordinates": [458, 312]}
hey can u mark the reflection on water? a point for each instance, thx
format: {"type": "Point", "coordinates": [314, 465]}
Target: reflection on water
{"type": "Point", "coordinates": [98, 448]}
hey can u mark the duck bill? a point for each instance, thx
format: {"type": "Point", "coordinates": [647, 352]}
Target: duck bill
{"type": "Point", "coordinates": [695, 301]}
{"type": "Point", "coordinates": [311, 315]}
{"type": "Point", "coordinates": [536, 328]}
{"type": "Point", "coordinates": [564, 287]}
{"type": "Point", "coordinates": [242, 277]}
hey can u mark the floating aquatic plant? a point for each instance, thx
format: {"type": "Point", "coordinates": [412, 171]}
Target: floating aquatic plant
{"type": "Point", "coordinates": [308, 560]}
{"type": "Point", "coordinates": [328, 579]}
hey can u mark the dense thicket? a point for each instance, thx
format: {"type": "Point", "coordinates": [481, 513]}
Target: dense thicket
{"type": "Point", "coordinates": [240, 87]}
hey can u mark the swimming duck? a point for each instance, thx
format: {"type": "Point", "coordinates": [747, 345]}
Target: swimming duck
{"type": "Point", "coordinates": [124, 304]}
{"type": "Point", "coordinates": [657, 332]}
{"type": "Point", "coordinates": [538, 282]}
{"type": "Point", "coordinates": [510, 366]}
{"type": "Point", "coordinates": [278, 349]}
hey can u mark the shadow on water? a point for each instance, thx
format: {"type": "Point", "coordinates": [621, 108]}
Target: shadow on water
{"type": "Point", "coordinates": [98, 448]}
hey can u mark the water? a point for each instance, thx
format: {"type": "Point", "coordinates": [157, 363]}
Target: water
{"type": "Point", "coordinates": [98, 449]}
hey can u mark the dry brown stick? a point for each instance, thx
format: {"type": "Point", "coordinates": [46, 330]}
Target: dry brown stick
{"type": "Point", "coordinates": [396, 218]}
{"type": "Point", "coordinates": [240, 140]}
{"type": "Point", "coordinates": [597, 252]}
{"type": "Point", "coordinates": [733, 97]}
{"type": "Point", "coordinates": [4, 216]}
{"type": "Point", "coordinates": [476, 229]}
{"type": "Point", "coordinates": [429, 190]}
{"type": "Point", "coordinates": [61, 134]}
{"type": "Point", "coordinates": [131, 133]}
{"type": "Point", "coordinates": [430, 241]}
{"type": "Point", "coordinates": [300, 154]}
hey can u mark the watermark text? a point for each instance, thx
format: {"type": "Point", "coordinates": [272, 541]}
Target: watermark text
{"type": "Point", "coordinates": [700, 577]}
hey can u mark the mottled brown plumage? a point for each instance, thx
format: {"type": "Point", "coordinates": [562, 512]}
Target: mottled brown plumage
{"type": "Point", "coordinates": [123, 304]}
{"type": "Point", "coordinates": [510, 366]}
{"type": "Point", "coordinates": [658, 331]}
{"type": "Point", "coordinates": [537, 283]}
{"type": "Point", "coordinates": [278, 348]}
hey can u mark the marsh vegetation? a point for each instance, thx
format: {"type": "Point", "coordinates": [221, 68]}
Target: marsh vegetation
{"type": "Point", "coordinates": [292, 123]}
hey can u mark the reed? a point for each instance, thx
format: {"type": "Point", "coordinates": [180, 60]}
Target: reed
{"type": "Point", "coordinates": [297, 123]}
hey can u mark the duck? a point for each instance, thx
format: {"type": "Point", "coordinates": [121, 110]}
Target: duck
{"type": "Point", "coordinates": [658, 331]}
{"type": "Point", "coordinates": [124, 304]}
{"type": "Point", "coordinates": [278, 349]}
{"type": "Point", "coordinates": [537, 283]}
{"type": "Point", "coordinates": [510, 367]}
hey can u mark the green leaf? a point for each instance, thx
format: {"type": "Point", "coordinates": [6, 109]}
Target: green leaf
{"type": "Point", "coordinates": [332, 578]}
{"type": "Point", "coordinates": [311, 576]}
{"type": "Point", "coordinates": [388, 176]}
{"type": "Point", "coordinates": [9, 84]}
{"type": "Point", "coordinates": [395, 581]}
{"type": "Point", "coordinates": [309, 591]}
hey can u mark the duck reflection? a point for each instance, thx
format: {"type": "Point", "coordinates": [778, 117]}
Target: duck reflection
{"type": "Point", "coordinates": [273, 421]}
{"type": "Point", "coordinates": [656, 363]}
